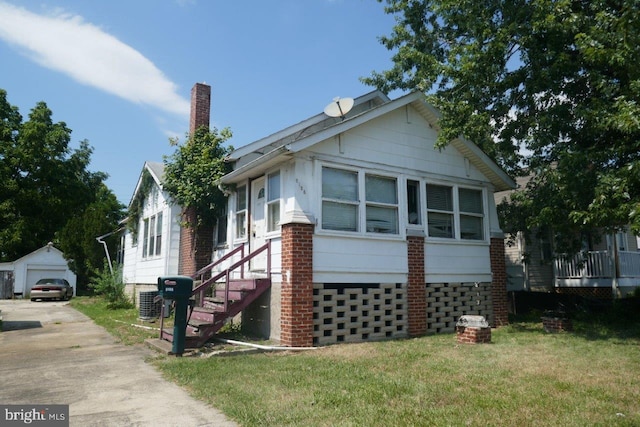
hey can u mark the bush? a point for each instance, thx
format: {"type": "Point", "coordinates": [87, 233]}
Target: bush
{"type": "Point", "coordinates": [111, 287]}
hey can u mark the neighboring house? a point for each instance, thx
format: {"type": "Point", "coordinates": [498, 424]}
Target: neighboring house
{"type": "Point", "coordinates": [533, 265]}
{"type": "Point", "coordinates": [374, 233]}
{"type": "Point", "coordinates": [44, 263]}
{"type": "Point", "coordinates": [150, 248]}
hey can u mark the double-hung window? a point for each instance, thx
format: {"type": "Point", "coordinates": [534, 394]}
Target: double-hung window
{"type": "Point", "coordinates": [241, 212]}
{"type": "Point", "coordinates": [158, 233]}
{"type": "Point", "coordinates": [450, 209]}
{"type": "Point", "coordinates": [471, 214]}
{"type": "Point", "coordinates": [343, 209]}
{"type": "Point", "coordinates": [382, 204]}
{"type": "Point", "coordinates": [339, 199]}
{"type": "Point", "coordinates": [440, 220]}
{"type": "Point", "coordinates": [152, 236]}
{"type": "Point", "coordinates": [273, 201]}
{"type": "Point", "coordinates": [145, 238]}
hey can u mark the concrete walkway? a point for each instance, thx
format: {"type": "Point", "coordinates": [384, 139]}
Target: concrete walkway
{"type": "Point", "coordinates": [52, 354]}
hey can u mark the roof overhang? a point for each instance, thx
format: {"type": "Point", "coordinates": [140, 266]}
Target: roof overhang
{"type": "Point", "coordinates": [498, 177]}
{"type": "Point", "coordinates": [258, 166]}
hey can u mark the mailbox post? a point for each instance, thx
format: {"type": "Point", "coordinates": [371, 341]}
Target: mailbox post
{"type": "Point", "coordinates": [177, 288]}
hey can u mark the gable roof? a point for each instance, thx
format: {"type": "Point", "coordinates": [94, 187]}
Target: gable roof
{"type": "Point", "coordinates": [156, 169]}
{"type": "Point", "coordinates": [48, 248]}
{"type": "Point", "coordinates": [269, 151]}
{"type": "Point", "coordinates": [307, 127]}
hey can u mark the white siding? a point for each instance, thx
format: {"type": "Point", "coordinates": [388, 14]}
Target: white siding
{"type": "Point", "coordinates": [358, 260]}
{"type": "Point", "coordinates": [457, 263]}
{"type": "Point", "coordinates": [399, 144]}
{"type": "Point", "coordinates": [139, 270]}
{"type": "Point", "coordinates": [392, 142]}
{"type": "Point", "coordinates": [391, 145]}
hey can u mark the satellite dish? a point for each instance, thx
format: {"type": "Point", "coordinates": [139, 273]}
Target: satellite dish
{"type": "Point", "coordinates": [339, 107]}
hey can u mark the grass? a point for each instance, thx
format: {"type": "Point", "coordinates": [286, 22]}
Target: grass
{"type": "Point", "coordinates": [525, 377]}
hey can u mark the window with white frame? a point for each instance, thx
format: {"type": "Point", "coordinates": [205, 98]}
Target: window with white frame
{"type": "Point", "coordinates": [241, 212]}
{"type": "Point", "coordinates": [145, 237]}
{"type": "Point", "coordinates": [221, 227]}
{"type": "Point", "coordinates": [152, 236]}
{"type": "Point", "coordinates": [158, 233]}
{"type": "Point", "coordinates": [413, 202]}
{"type": "Point", "coordinates": [440, 221]}
{"type": "Point", "coordinates": [382, 204]}
{"type": "Point", "coordinates": [444, 215]}
{"type": "Point", "coordinates": [471, 214]}
{"type": "Point", "coordinates": [339, 199]}
{"type": "Point", "coordinates": [342, 207]}
{"type": "Point", "coordinates": [273, 201]}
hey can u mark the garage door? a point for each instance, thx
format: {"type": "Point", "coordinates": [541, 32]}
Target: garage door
{"type": "Point", "coordinates": [33, 275]}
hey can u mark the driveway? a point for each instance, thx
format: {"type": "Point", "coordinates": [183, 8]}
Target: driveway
{"type": "Point", "coordinates": [52, 354]}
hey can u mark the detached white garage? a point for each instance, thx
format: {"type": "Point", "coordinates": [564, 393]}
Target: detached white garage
{"type": "Point", "coordinates": [44, 263]}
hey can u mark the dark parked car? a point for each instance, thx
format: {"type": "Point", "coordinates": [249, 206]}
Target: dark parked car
{"type": "Point", "coordinates": [51, 289]}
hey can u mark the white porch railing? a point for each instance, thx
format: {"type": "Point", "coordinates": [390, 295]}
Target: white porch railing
{"type": "Point", "coordinates": [585, 264]}
{"type": "Point", "coordinates": [629, 264]}
{"type": "Point", "coordinates": [596, 264]}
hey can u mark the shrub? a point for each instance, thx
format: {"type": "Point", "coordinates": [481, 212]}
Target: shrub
{"type": "Point", "coordinates": [111, 287]}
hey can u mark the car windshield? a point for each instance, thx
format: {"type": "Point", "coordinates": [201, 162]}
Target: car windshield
{"type": "Point", "coordinates": [59, 282]}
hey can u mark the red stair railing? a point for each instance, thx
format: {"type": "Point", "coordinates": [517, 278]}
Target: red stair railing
{"type": "Point", "coordinates": [207, 283]}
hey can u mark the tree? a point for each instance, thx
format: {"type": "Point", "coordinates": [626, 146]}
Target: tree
{"type": "Point", "coordinates": [192, 173]}
{"type": "Point", "coordinates": [45, 186]}
{"type": "Point", "coordinates": [77, 239]}
{"type": "Point", "coordinates": [545, 87]}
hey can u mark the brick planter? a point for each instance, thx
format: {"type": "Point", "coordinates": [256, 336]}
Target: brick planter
{"type": "Point", "coordinates": [473, 335]}
{"type": "Point", "coordinates": [473, 330]}
{"type": "Point", "coordinates": [555, 324]}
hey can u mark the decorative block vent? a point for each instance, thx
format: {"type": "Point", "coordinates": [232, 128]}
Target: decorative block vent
{"type": "Point", "coordinates": [358, 312]}
{"type": "Point", "coordinates": [446, 302]}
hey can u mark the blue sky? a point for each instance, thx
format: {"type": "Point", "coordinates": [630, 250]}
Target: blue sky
{"type": "Point", "coordinates": [119, 73]}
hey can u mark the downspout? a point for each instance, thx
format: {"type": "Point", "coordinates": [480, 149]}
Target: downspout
{"type": "Point", "coordinates": [249, 214]}
{"type": "Point", "coordinates": [525, 264]}
{"type": "Point", "coordinates": [265, 347]}
{"type": "Point", "coordinates": [106, 250]}
{"type": "Point", "coordinates": [616, 268]}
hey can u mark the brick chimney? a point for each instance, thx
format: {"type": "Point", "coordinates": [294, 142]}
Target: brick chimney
{"type": "Point", "coordinates": [200, 106]}
{"type": "Point", "coordinates": [196, 242]}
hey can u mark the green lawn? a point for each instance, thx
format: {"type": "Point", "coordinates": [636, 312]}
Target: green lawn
{"type": "Point", "coordinates": [525, 377]}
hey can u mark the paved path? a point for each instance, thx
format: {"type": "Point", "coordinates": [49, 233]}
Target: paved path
{"type": "Point", "coordinates": [52, 354]}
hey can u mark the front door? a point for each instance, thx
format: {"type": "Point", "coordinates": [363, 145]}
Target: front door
{"type": "Point", "coordinates": [258, 224]}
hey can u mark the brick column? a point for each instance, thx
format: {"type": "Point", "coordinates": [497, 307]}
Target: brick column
{"type": "Point", "coordinates": [416, 291]}
{"type": "Point", "coordinates": [296, 320]}
{"type": "Point", "coordinates": [499, 283]}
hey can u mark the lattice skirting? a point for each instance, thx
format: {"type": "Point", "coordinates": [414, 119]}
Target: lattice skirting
{"type": "Point", "coordinates": [600, 293]}
{"type": "Point", "coordinates": [348, 312]}
{"type": "Point", "coordinates": [446, 302]}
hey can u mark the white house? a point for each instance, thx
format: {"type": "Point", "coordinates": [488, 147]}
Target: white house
{"type": "Point", "coordinates": [44, 263]}
{"type": "Point", "coordinates": [373, 231]}
{"type": "Point", "coordinates": [150, 249]}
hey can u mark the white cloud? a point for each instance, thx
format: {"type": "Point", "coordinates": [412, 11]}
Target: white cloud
{"type": "Point", "coordinates": [84, 52]}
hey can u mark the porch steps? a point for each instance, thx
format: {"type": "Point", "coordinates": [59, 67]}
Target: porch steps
{"type": "Point", "coordinates": [206, 320]}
